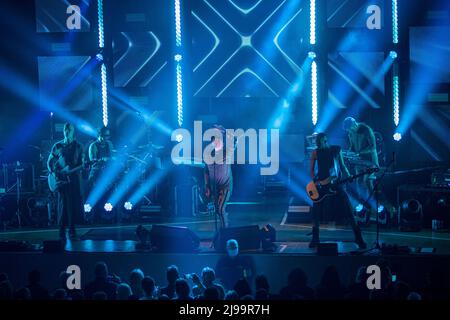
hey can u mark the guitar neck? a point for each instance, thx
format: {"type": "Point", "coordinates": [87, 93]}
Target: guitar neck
{"type": "Point", "coordinates": [356, 176]}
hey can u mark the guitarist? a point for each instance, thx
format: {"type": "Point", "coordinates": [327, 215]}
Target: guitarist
{"type": "Point", "coordinates": [329, 162]}
{"type": "Point", "coordinates": [65, 155]}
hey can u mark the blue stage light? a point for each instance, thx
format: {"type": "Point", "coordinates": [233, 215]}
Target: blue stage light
{"type": "Point", "coordinates": [312, 55]}
{"type": "Point", "coordinates": [393, 54]}
{"type": "Point", "coordinates": [128, 206]}
{"type": "Point", "coordinates": [397, 136]}
{"type": "Point", "coordinates": [108, 207]}
{"type": "Point", "coordinates": [359, 208]}
{"type": "Point", "coordinates": [179, 137]}
{"type": "Point", "coordinates": [277, 123]}
{"type": "Point", "coordinates": [87, 208]}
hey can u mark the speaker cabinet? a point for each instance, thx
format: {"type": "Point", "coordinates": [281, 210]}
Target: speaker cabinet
{"type": "Point", "coordinates": [173, 239]}
{"type": "Point", "coordinates": [327, 249]}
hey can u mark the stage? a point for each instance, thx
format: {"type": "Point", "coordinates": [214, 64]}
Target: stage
{"type": "Point", "coordinates": [290, 238]}
{"type": "Point", "coordinates": [115, 244]}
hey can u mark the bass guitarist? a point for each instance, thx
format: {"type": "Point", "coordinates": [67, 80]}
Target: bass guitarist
{"type": "Point", "coordinates": [330, 164]}
{"type": "Point", "coordinates": [65, 155]}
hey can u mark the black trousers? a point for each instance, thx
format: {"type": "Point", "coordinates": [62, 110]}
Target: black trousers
{"type": "Point", "coordinates": [337, 205]}
{"type": "Point", "coordinates": [223, 194]}
{"type": "Point", "coordinates": [69, 205]}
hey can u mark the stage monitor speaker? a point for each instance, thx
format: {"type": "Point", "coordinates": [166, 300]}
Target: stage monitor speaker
{"type": "Point", "coordinates": [173, 239]}
{"type": "Point", "coordinates": [186, 196]}
{"type": "Point", "coordinates": [327, 249]}
{"type": "Point", "coordinates": [53, 246]}
{"type": "Point", "coordinates": [15, 246]}
{"type": "Point", "coordinates": [248, 238]}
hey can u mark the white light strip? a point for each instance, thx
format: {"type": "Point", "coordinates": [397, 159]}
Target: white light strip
{"type": "Point", "coordinates": [101, 38]}
{"type": "Point", "coordinates": [394, 21]}
{"type": "Point", "coordinates": [178, 23]}
{"type": "Point", "coordinates": [312, 21]}
{"type": "Point", "coordinates": [179, 94]}
{"type": "Point", "coordinates": [396, 100]}
{"type": "Point", "coordinates": [314, 92]}
{"type": "Point", "coordinates": [104, 96]}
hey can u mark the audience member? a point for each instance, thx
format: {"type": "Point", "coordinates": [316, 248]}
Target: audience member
{"type": "Point", "coordinates": [172, 275]}
{"type": "Point", "coordinates": [330, 287]}
{"type": "Point", "coordinates": [101, 282]}
{"type": "Point", "coordinates": [242, 288]}
{"type": "Point", "coordinates": [37, 291]}
{"type": "Point", "coordinates": [234, 266]}
{"type": "Point", "coordinates": [123, 292]}
{"type": "Point", "coordinates": [207, 281]}
{"type": "Point", "coordinates": [297, 288]}
{"type": "Point", "coordinates": [136, 278]}
{"type": "Point", "coordinates": [148, 289]}
{"type": "Point", "coordinates": [182, 289]}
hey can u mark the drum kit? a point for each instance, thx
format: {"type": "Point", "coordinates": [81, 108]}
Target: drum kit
{"type": "Point", "coordinates": [19, 183]}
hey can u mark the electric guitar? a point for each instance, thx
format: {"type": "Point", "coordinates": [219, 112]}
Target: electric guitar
{"type": "Point", "coordinates": [60, 177]}
{"type": "Point", "coordinates": [319, 190]}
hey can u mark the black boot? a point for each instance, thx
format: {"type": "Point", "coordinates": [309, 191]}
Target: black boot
{"type": "Point", "coordinates": [358, 238]}
{"type": "Point", "coordinates": [72, 233]}
{"type": "Point", "coordinates": [62, 234]}
{"type": "Point", "coordinates": [315, 238]}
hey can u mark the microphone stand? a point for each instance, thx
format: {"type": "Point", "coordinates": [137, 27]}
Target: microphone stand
{"type": "Point", "coordinates": [213, 191]}
{"type": "Point", "coordinates": [375, 192]}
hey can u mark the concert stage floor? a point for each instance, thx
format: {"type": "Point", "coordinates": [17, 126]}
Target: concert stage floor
{"type": "Point", "coordinates": [291, 238]}
{"type": "Point", "coordinates": [115, 244]}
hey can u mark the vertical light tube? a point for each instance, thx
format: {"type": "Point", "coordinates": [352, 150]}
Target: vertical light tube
{"type": "Point", "coordinates": [314, 109]}
{"type": "Point", "coordinates": [396, 100]}
{"type": "Point", "coordinates": [178, 58]}
{"type": "Point", "coordinates": [312, 22]}
{"type": "Point", "coordinates": [104, 96]}
{"type": "Point", "coordinates": [394, 22]}
{"type": "Point", "coordinates": [101, 45]}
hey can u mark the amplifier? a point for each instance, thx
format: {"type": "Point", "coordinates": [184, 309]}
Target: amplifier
{"type": "Point", "coordinates": [441, 179]}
